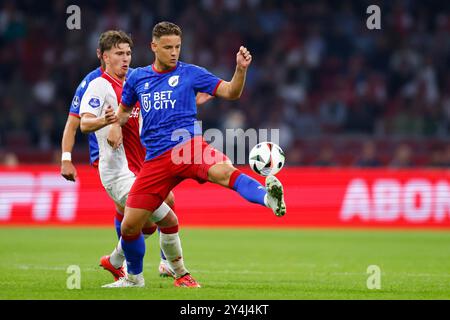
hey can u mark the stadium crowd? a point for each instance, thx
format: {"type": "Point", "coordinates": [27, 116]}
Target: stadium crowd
{"type": "Point", "coordinates": [340, 94]}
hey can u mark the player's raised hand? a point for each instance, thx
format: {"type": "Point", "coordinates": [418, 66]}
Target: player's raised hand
{"type": "Point", "coordinates": [110, 115]}
{"type": "Point", "coordinates": [68, 170]}
{"type": "Point", "coordinates": [115, 136]}
{"type": "Point", "coordinates": [243, 58]}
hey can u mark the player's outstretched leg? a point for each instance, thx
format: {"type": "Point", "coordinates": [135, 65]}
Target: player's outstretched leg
{"type": "Point", "coordinates": [270, 196]}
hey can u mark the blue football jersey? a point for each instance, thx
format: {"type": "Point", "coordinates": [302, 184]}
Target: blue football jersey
{"type": "Point", "coordinates": [75, 108]}
{"type": "Point", "coordinates": [167, 99]}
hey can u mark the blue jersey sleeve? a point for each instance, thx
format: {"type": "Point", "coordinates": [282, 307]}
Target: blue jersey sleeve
{"type": "Point", "coordinates": [75, 105]}
{"type": "Point", "coordinates": [129, 96]}
{"type": "Point", "coordinates": [204, 81]}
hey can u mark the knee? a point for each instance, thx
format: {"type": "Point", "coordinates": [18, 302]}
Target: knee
{"type": "Point", "coordinates": [170, 200]}
{"type": "Point", "coordinates": [222, 174]}
{"type": "Point", "coordinates": [128, 229]}
{"type": "Point", "coordinates": [228, 171]}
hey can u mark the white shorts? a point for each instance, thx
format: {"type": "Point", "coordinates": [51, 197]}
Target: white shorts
{"type": "Point", "coordinates": [118, 191]}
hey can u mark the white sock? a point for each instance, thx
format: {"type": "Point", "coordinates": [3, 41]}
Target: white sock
{"type": "Point", "coordinates": [117, 257]}
{"type": "Point", "coordinates": [171, 246]}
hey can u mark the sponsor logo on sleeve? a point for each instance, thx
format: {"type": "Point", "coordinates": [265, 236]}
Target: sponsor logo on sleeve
{"type": "Point", "coordinates": [94, 102]}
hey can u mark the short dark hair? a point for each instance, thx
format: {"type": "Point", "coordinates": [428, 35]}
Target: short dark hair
{"type": "Point", "coordinates": [166, 28]}
{"type": "Point", "coordinates": [112, 38]}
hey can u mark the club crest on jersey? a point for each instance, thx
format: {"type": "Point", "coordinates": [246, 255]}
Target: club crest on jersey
{"type": "Point", "coordinates": [75, 102]}
{"type": "Point", "coordinates": [145, 101]}
{"type": "Point", "coordinates": [94, 102]}
{"type": "Point", "coordinates": [146, 85]}
{"type": "Point", "coordinates": [173, 81]}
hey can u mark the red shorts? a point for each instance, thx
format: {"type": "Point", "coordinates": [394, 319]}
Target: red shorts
{"type": "Point", "coordinates": [161, 174]}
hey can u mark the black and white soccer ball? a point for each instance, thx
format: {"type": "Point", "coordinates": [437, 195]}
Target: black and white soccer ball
{"type": "Point", "coordinates": [266, 158]}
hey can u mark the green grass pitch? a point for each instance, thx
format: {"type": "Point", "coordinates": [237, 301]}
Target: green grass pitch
{"type": "Point", "coordinates": [234, 264]}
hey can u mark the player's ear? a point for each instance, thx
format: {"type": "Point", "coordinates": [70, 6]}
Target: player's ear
{"type": "Point", "coordinates": [153, 46]}
{"type": "Point", "coordinates": [99, 54]}
{"type": "Point", "coordinates": [105, 57]}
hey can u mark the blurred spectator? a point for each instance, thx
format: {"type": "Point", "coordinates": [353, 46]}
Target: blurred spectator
{"type": "Point", "coordinates": [333, 114]}
{"type": "Point", "coordinates": [437, 157]}
{"type": "Point", "coordinates": [10, 160]}
{"type": "Point", "coordinates": [303, 119]}
{"type": "Point", "coordinates": [325, 158]}
{"type": "Point", "coordinates": [446, 156]}
{"type": "Point", "coordinates": [402, 157]}
{"type": "Point", "coordinates": [440, 157]}
{"type": "Point", "coordinates": [368, 157]}
{"type": "Point", "coordinates": [285, 132]}
{"type": "Point", "coordinates": [296, 156]}
{"type": "Point", "coordinates": [44, 90]}
{"type": "Point", "coordinates": [323, 76]}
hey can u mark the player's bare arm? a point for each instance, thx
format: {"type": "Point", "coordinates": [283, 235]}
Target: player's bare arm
{"type": "Point", "coordinates": [68, 170]}
{"type": "Point", "coordinates": [91, 123]}
{"type": "Point", "coordinates": [202, 98]}
{"type": "Point", "coordinates": [232, 90]}
{"type": "Point", "coordinates": [115, 132]}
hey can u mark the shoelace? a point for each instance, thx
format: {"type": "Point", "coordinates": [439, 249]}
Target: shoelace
{"type": "Point", "coordinates": [190, 280]}
{"type": "Point", "coordinates": [125, 279]}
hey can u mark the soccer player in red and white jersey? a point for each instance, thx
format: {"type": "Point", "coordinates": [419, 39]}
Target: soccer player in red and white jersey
{"type": "Point", "coordinates": [118, 168]}
{"type": "Point", "coordinates": [68, 170]}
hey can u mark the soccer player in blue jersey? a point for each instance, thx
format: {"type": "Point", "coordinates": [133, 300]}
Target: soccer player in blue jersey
{"type": "Point", "coordinates": [166, 91]}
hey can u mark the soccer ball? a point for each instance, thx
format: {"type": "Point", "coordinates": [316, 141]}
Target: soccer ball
{"type": "Point", "coordinates": [266, 158]}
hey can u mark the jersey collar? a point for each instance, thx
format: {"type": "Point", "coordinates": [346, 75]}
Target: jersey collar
{"type": "Point", "coordinates": [163, 72]}
{"type": "Point", "coordinates": [113, 79]}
